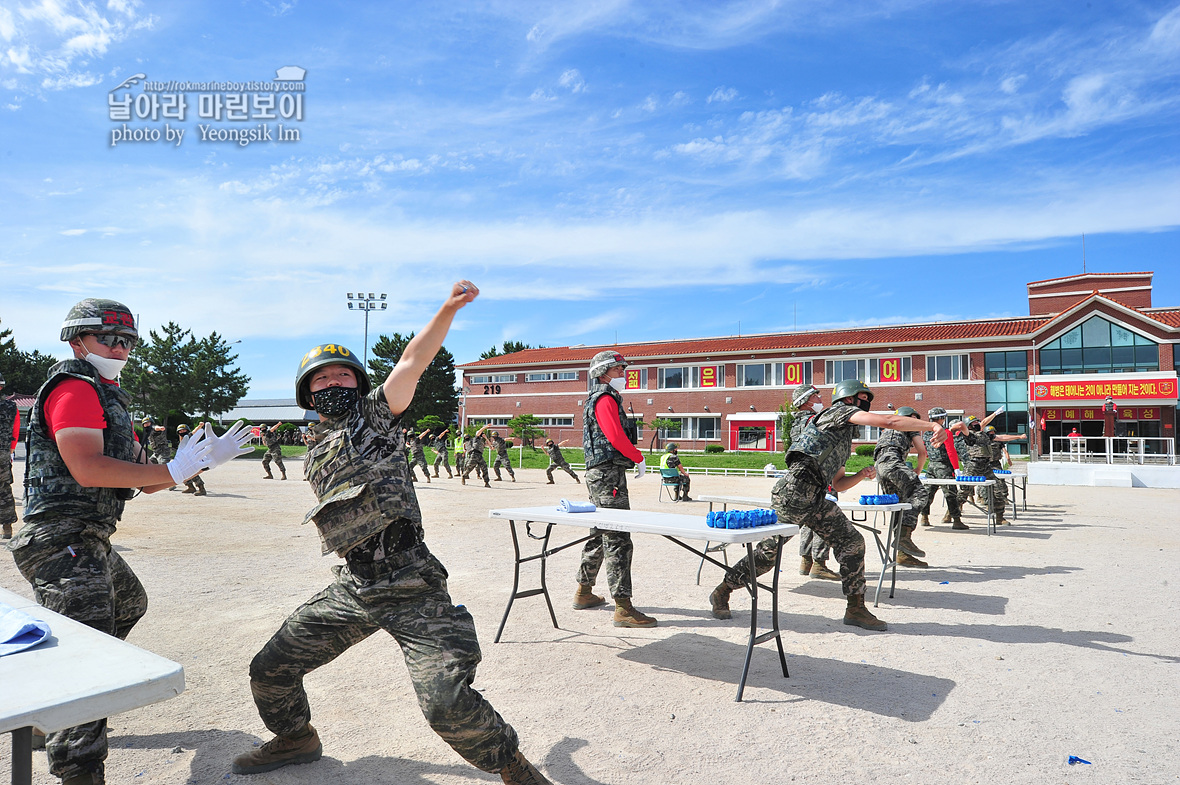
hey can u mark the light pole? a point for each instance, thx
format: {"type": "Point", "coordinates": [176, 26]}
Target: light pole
{"type": "Point", "coordinates": [366, 303]}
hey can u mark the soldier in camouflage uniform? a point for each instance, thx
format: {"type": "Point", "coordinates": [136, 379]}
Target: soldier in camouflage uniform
{"type": "Point", "coordinates": [979, 457]}
{"type": "Point", "coordinates": [898, 477]}
{"type": "Point", "coordinates": [83, 465]}
{"type": "Point", "coordinates": [965, 493]}
{"type": "Point", "coordinates": [609, 454]}
{"type": "Point", "coordinates": [442, 453]}
{"type": "Point", "coordinates": [418, 453]}
{"type": "Point", "coordinates": [157, 442]}
{"type": "Point", "coordinates": [557, 461]}
{"type": "Point", "coordinates": [9, 434]}
{"type": "Point", "coordinates": [938, 465]}
{"type": "Point", "coordinates": [815, 462]}
{"type": "Point", "coordinates": [274, 451]}
{"type": "Point", "coordinates": [473, 459]}
{"type": "Point", "coordinates": [502, 457]}
{"type": "Point", "coordinates": [813, 550]}
{"type": "Point", "coordinates": [998, 449]}
{"type": "Point", "coordinates": [194, 485]}
{"type": "Point", "coordinates": [368, 513]}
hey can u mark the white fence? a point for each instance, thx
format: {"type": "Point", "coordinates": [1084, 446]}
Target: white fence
{"type": "Point", "coordinates": [1113, 450]}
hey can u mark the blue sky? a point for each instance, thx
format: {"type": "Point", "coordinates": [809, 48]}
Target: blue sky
{"type": "Point", "coordinates": [641, 170]}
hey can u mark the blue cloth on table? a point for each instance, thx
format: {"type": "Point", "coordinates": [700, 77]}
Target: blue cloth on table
{"type": "Point", "coordinates": [19, 630]}
{"type": "Point", "coordinates": [567, 506]}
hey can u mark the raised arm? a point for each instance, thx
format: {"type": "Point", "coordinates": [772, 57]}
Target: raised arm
{"type": "Point", "coordinates": [899, 423]}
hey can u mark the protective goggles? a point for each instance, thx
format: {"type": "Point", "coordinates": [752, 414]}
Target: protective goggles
{"type": "Point", "coordinates": [111, 340]}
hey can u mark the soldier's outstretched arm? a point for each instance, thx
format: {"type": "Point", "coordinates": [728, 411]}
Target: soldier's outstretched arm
{"type": "Point", "coordinates": [898, 423]}
{"type": "Point", "coordinates": [82, 451]}
{"type": "Point", "coordinates": [403, 379]}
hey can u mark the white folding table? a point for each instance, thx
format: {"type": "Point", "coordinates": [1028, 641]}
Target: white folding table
{"type": "Point", "coordinates": [76, 675]}
{"type": "Point", "coordinates": [991, 523]}
{"type": "Point", "coordinates": [672, 526]}
{"type": "Point", "coordinates": [886, 549]}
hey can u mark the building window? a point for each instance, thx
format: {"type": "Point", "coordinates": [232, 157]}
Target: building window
{"type": "Point", "coordinates": [671, 378]}
{"type": "Point", "coordinates": [551, 376]}
{"type": "Point", "coordinates": [678, 378]}
{"type": "Point", "coordinates": [693, 428]}
{"type": "Point", "coordinates": [479, 422]}
{"type": "Point", "coordinates": [485, 379]}
{"type": "Point", "coordinates": [754, 375]}
{"type": "Point", "coordinates": [1099, 346]}
{"type": "Point", "coordinates": [895, 369]}
{"type": "Point", "coordinates": [557, 422]}
{"type": "Point", "coordinates": [792, 374]}
{"type": "Point", "coordinates": [947, 367]}
{"type": "Point", "coordinates": [866, 433]}
{"type": "Point", "coordinates": [1006, 385]}
{"type": "Point", "coordinates": [752, 437]}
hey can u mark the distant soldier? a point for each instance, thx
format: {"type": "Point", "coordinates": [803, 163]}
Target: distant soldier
{"type": "Point", "coordinates": [502, 457]}
{"type": "Point", "coordinates": [9, 436]}
{"type": "Point", "coordinates": [474, 460]}
{"type": "Point", "coordinates": [938, 466]}
{"type": "Point", "coordinates": [194, 485]}
{"type": "Point", "coordinates": [671, 460]}
{"type": "Point", "coordinates": [557, 461]}
{"type": "Point", "coordinates": [157, 441]}
{"type": "Point", "coordinates": [441, 453]}
{"type": "Point", "coordinates": [274, 451]}
{"type": "Point", "coordinates": [461, 447]}
{"type": "Point", "coordinates": [979, 459]}
{"type": "Point", "coordinates": [898, 477]}
{"type": "Point", "coordinates": [813, 549]}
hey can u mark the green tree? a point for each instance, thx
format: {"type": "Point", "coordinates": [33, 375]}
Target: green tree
{"type": "Point", "coordinates": [436, 394]}
{"type": "Point", "coordinates": [526, 428]}
{"type": "Point", "coordinates": [509, 347]}
{"type": "Point", "coordinates": [24, 372]}
{"type": "Point", "coordinates": [172, 372]}
{"type": "Point", "coordinates": [657, 425]}
{"type": "Point", "coordinates": [432, 422]}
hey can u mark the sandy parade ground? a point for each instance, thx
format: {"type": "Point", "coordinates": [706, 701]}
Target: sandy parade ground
{"type": "Point", "coordinates": [1058, 636]}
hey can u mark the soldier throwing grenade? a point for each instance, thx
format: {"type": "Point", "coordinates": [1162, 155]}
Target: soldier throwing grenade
{"type": "Point", "coordinates": [368, 513]}
{"type": "Point", "coordinates": [274, 451]}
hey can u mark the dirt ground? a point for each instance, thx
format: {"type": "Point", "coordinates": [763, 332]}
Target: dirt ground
{"type": "Point", "coordinates": [1058, 636]}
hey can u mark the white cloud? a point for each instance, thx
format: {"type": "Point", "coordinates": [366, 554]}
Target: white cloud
{"type": "Point", "coordinates": [722, 95]}
{"type": "Point", "coordinates": [572, 80]}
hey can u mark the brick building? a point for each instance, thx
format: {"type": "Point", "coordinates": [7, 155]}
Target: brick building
{"type": "Point", "coordinates": [1086, 336]}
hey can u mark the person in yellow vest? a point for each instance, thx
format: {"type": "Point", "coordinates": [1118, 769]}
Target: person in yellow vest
{"type": "Point", "coordinates": [670, 460]}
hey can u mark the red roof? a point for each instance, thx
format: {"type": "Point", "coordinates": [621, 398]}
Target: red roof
{"type": "Point", "coordinates": [914, 334]}
{"type": "Point", "coordinates": [1089, 275]}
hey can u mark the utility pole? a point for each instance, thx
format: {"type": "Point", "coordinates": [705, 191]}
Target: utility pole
{"type": "Point", "coordinates": [366, 304]}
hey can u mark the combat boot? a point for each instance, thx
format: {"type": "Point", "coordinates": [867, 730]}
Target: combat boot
{"type": "Point", "coordinates": [281, 751]}
{"type": "Point", "coordinates": [189, 489]}
{"type": "Point", "coordinates": [499, 478]}
{"type": "Point", "coordinates": [462, 479]}
{"type": "Point", "coordinates": [905, 560]}
{"type": "Point", "coordinates": [200, 492]}
{"type": "Point", "coordinates": [487, 484]}
{"type": "Point", "coordinates": [551, 482]}
{"type": "Point", "coordinates": [627, 616]}
{"type": "Point", "coordinates": [805, 566]}
{"type": "Point", "coordinates": [513, 476]}
{"type": "Point", "coordinates": [819, 569]}
{"type": "Point", "coordinates": [268, 476]}
{"type": "Point", "coordinates": [924, 519]}
{"type": "Point", "coordinates": [8, 531]}
{"type": "Point", "coordinates": [579, 482]}
{"type": "Point", "coordinates": [585, 598]}
{"type": "Point", "coordinates": [284, 471]}
{"type": "Point", "coordinates": [520, 772]}
{"type": "Point", "coordinates": [946, 517]}
{"type": "Point", "coordinates": [719, 599]}
{"type": "Point", "coordinates": [959, 525]}
{"type": "Point", "coordinates": [906, 545]}
{"type": "Point", "coordinates": [857, 615]}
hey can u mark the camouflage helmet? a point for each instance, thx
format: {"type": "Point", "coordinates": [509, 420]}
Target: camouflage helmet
{"type": "Point", "coordinates": [937, 413]}
{"type": "Point", "coordinates": [672, 447]}
{"type": "Point", "coordinates": [801, 393]}
{"type": "Point", "coordinates": [146, 421]}
{"type": "Point", "coordinates": [851, 388]}
{"type": "Point", "coordinates": [327, 354]}
{"type": "Point", "coordinates": [604, 361]}
{"type": "Point", "coordinates": [181, 429]}
{"type": "Point", "coordinates": [990, 429]}
{"type": "Point", "coordinates": [908, 411]}
{"type": "Point", "coordinates": [97, 316]}
{"type": "Point", "coordinates": [954, 423]}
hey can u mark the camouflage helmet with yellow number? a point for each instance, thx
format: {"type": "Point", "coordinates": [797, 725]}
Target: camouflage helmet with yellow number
{"type": "Point", "coordinates": [327, 354]}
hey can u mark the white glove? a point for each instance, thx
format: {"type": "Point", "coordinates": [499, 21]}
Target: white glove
{"type": "Point", "coordinates": [228, 446]}
{"type": "Point", "coordinates": [192, 455]}
{"type": "Point", "coordinates": [999, 410]}
{"type": "Point", "coordinates": [640, 468]}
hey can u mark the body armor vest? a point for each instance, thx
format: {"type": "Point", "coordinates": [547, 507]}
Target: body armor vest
{"type": "Point", "coordinates": [158, 442]}
{"type": "Point", "coordinates": [825, 441]}
{"type": "Point", "coordinates": [270, 439]}
{"type": "Point", "coordinates": [893, 445]}
{"type": "Point", "coordinates": [997, 451]}
{"type": "Point", "coordinates": [598, 448]}
{"type": "Point", "coordinates": [979, 450]}
{"type": "Point", "coordinates": [50, 489]}
{"type": "Point", "coordinates": [7, 423]}
{"type": "Point", "coordinates": [361, 478]}
{"type": "Point", "coordinates": [936, 454]}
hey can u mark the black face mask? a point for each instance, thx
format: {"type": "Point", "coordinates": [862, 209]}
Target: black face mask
{"type": "Point", "coordinates": [863, 405]}
{"type": "Point", "coordinates": [974, 426]}
{"type": "Point", "coordinates": [335, 401]}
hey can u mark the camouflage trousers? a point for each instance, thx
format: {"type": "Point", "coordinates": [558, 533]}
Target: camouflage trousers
{"type": "Point", "coordinates": [159, 457]}
{"type": "Point", "coordinates": [943, 471]}
{"type": "Point", "coordinates": [474, 462]}
{"type": "Point", "coordinates": [420, 461]}
{"type": "Point", "coordinates": [812, 546]}
{"type": "Point", "coordinates": [437, 640]}
{"type": "Point", "coordinates": [562, 465]}
{"type": "Point", "coordinates": [443, 459]}
{"type": "Point", "coordinates": [502, 459]}
{"type": "Point", "coordinates": [92, 585]}
{"type": "Point", "coordinates": [273, 454]}
{"type": "Point", "coordinates": [460, 460]}
{"type": "Point", "coordinates": [607, 485]}
{"type": "Point", "coordinates": [900, 479]}
{"type": "Point", "coordinates": [7, 500]}
{"type": "Point", "coordinates": [800, 498]}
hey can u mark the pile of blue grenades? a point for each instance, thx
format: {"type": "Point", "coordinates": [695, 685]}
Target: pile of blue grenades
{"type": "Point", "coordinates": [879, 498]}
{"type": "Point", "coordinates": [741, 519]}
{"type": "Point", "coordinates": [970, 478]}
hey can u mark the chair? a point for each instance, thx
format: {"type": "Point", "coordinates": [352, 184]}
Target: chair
{"type": "Point", "coordinates": [669, 479]}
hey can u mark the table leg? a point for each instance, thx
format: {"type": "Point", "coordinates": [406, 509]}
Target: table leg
{"type": "Point", "coordinates": [22, 756]}
{"type": "Point", "coordinates": [774, 632]}
{"type": "Point", "coordinates": [517, 561]}
{"type": "Point", "coordinates": [1013, 482]}
{"type": "Point", "coordinates": [889, 555]}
